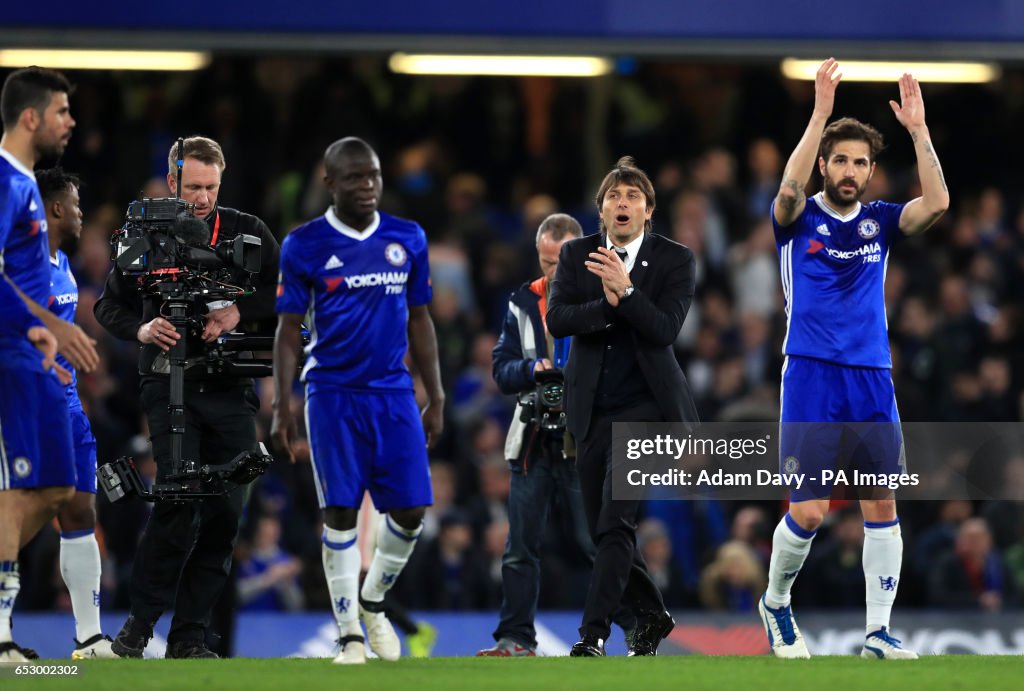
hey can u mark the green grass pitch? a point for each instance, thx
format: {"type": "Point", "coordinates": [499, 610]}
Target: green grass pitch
{"type": "Point", "coordinates": [685, 673]}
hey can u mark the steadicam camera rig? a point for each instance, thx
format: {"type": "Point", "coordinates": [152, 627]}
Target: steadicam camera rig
{"type": "Point", "coordinates": [167, 250]}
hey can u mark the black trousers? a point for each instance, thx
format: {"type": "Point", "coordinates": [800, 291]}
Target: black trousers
{"type": "Point", "coordinates": [620, 574]}
{"type": "Point", "coordinates": [184, 557]}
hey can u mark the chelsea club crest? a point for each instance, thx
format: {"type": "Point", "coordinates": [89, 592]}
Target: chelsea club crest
{"type": "Point", "coordinates": [395, 254]}
{"type": "Point", "coordinates": [868, 228]}
{"type": "Point", "coordinates": [22, 467]}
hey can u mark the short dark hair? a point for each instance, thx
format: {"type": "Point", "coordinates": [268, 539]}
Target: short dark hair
{"type": "Point", "coordinates": [345, 146]}
{"type": "Point", "coordinates": [558, 226]}
{"type": "Point", "coordinates": [850, 129]}
{"type": "Point", "coordinates": [203, 149]}
{"type": "Point", "coordinates": [626, 172]}
{"type": "Point", "coordinates": [30, 87]}
{"type": "Point", "coordinates": [54, 181]}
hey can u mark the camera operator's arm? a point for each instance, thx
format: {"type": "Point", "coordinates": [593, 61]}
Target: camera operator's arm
{"type": "Point", "coordinates": [259, 305]}
{"type": "Point", "coordinates": [287, 346]}
{"type": "Point", "coordinates": [120, 311]}
{"type": "Point", "coordinates": [512, 372]}
{"type": "Point", "coordinates": [423, 348]}
{"type": "Point", "coordinates": [72, 342]}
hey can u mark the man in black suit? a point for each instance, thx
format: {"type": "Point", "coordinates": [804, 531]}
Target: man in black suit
{"type": "Point", "coordinates": [623, 294]}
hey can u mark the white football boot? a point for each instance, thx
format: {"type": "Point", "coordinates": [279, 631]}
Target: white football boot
{"type": "Point", "coordinates": [783, 633]}
{"type": "Point", "coordinates": [380, 633]}
{"type": "Point", "coordinates": [880, 645]}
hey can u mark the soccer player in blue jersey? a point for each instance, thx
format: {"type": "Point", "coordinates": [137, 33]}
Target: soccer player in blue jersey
{"type": "Point", "coordinates": [79, 551]}
{"type": "Point", "coordinates": [833, 252]}
{"type": "Point", "coordinates": [362, 277]}
{"type": "Point", "coordinates": [36, 469]}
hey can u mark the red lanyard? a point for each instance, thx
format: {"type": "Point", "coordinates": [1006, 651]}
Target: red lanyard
{"type": "Point", "coordinates": [216, 229]}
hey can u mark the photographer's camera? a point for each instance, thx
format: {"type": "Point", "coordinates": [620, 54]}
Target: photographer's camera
{"type": "Point", "coordinates": [544, 404]}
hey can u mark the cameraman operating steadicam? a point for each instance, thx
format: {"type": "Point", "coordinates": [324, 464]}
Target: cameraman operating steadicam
{"type": "Point", "coordinates": [540, 456]}
{"type": "Point", "coordinates": [184, 556]}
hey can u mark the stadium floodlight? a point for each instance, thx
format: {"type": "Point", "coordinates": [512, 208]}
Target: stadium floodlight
{"type": "Point", "coordinates": [68, 59]}
{"type": "Point", "coordinates": [879, 71]}
{"type": "Point", "coordinates": [501, 65]}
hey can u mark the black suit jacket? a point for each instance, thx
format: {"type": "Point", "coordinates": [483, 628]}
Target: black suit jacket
{"type": "Point", "coordinates": [663, 276]}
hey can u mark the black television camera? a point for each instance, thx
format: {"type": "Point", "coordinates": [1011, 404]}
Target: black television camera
{"type": "Point", "coordinates": [543, 406]}
{"type": "Point", "coordinates": [163, 240]}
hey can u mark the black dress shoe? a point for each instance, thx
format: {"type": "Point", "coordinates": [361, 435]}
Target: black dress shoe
{"type": "Point", "coordinates": [189, 650]}
{"type": "Point", "coordinates": [649, 634]}
{"type": "Point", "coordinates": [132, 639]}
{"type": "Point", "coordinates": [588, 646]}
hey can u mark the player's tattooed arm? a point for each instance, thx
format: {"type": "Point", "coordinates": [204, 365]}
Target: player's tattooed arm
{"type": "Point", "coordinates": [933, 162]}
{"type": "Point", "coordinates": [793, 196]}
{"type": "Point", "coordinates": [922, 212]}
{"type": "Point", "coordinates": [790, 201]}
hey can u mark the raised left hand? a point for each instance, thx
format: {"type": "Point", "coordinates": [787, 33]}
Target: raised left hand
{"type": "Point", "coordinates": [910, 110]}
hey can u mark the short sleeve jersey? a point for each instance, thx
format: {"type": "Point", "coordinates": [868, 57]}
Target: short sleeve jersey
{"type": "Point", "coordinates": [24, 252]}
{"type": "Point", "coordinates": [833, 277]}
{"type": "Point", "coordinates": [356, 288]}
{"type": "Point", "coordinates": [63, 302]}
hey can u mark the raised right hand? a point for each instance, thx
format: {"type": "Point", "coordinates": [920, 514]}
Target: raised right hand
{"type": "Point", "coordinates": [825, 82]}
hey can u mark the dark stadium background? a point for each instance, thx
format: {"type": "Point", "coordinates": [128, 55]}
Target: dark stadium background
{"type": "Point", "coordinates": [698, 99]}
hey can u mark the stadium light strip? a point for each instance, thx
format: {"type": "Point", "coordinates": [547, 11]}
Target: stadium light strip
{"type": "Point", "coordinates": [162, 60]}
{"type": "Point", "coordinates": [501, 65]}
{"type": "Point", "coordinates": [877, 71]}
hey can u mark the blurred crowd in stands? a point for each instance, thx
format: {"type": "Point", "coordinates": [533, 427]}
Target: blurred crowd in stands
{"type": "Point", "coordinates": [479, 162]}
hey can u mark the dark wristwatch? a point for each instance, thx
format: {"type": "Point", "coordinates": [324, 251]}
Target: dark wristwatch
{"type": "Point", "coordinates": [627, 291]}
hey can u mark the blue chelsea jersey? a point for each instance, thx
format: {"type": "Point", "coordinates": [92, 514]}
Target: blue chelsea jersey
{"type": "Point", "coordinates": [833, 277]}
{"type": "Point", "coordinates": [24, 252]}
{"type": "Point", "coordinates": [63, 302]}
{"type": "Point", "coordinates": [356, 287]}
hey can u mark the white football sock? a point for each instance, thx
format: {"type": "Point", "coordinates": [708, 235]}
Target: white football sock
{"type": "Point", "coordinates": [790, 546]}
{"type": "Point", "coordinates": [394, 545]}
{"type": "Point", "coordinates": [342, 561]}
{"type": "Point", "coordinates": [10, 584]}
{"type": "Point", "coordinates": [883, 558]}
{"type": "Point", "coordinates": [80, 567]}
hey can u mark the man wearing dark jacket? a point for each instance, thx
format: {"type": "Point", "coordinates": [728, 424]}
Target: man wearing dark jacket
{"type": "Point", "coordinates": [184, 558]}
{"type": "Point", "coordinates": [623, 295]}
{"type": "Point", "coordinates": [540, 470]}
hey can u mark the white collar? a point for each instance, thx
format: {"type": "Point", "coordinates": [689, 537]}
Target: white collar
{"type": "Point", "coordinates": [349, 231]}
{"type": "Point", "coordinates": [18, 165]}
{"type": "Point", "coordinates": [819, 198]}
{"type": "Point", "coordinates": [632, 249]}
